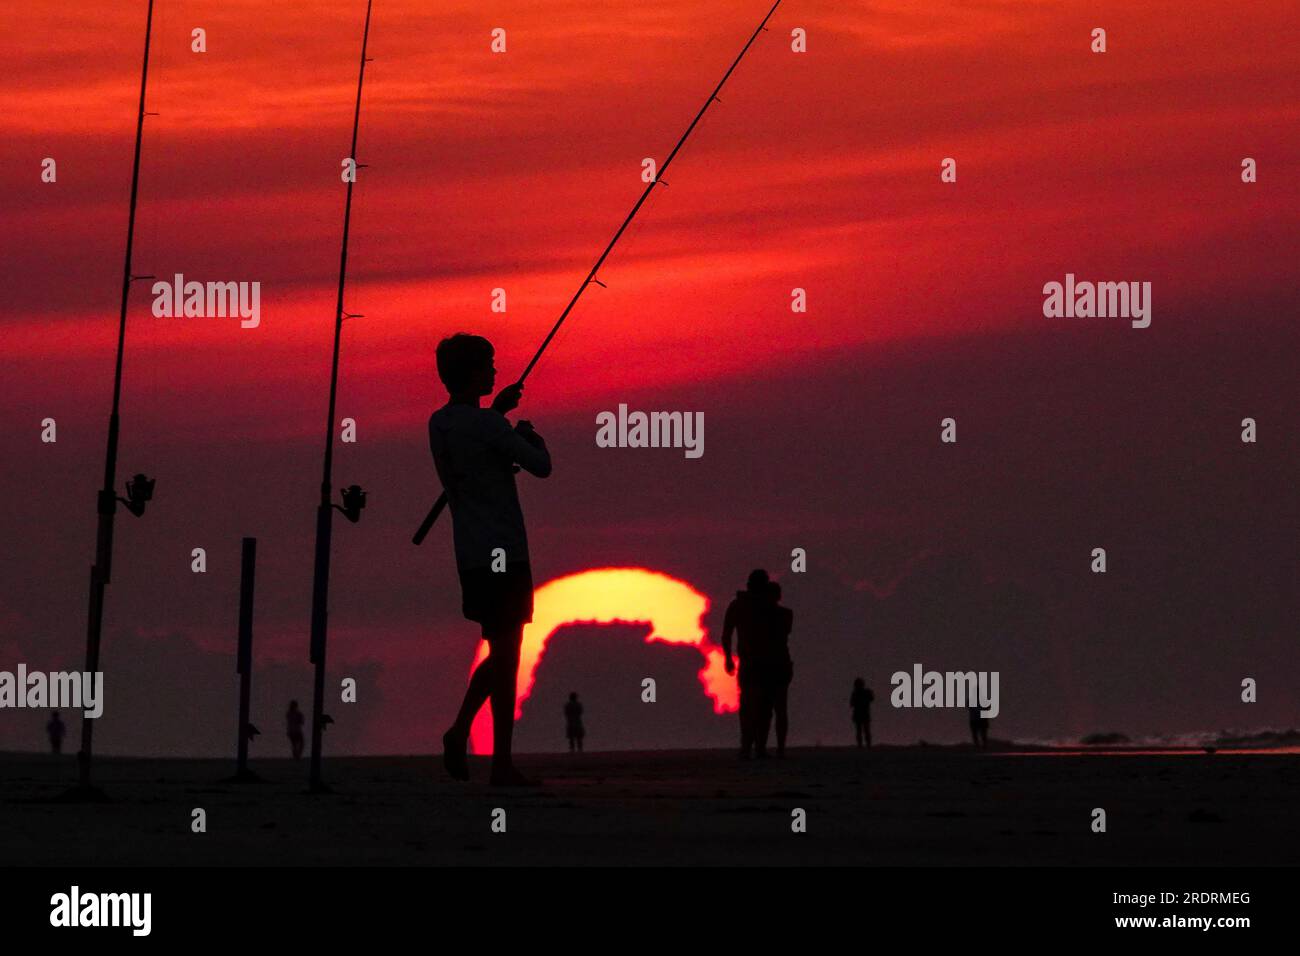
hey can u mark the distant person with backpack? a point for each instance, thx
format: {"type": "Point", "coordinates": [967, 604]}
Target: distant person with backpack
{"type": "Point", "coordinates": [747, 618]}
{"type": "Point", "coordinates": [778, 669]}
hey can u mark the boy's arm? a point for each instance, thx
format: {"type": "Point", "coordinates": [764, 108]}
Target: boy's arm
{"type": "Point", "coordinates": [524, 447]}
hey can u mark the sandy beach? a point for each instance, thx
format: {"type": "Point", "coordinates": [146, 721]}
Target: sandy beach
{"type": "Point", "coordinates": [889, 806]}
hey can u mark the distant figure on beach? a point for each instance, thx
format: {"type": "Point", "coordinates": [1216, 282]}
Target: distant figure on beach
{"type": "Point", "coordinates": [56, 730]}
{"type": "Point", "coordinates": [860, 704]}
{"type": "Point", "coordinates": [747, 617]}
{"type": "Point", "coordinates": [979, 729]}
{"type": "Point", "coordinates": [476, 451]}
{"type": "Point", "coordinates": [778, 670]}
{"type": "Point", "coordinates": [573, 723]}
{"type": "Point", "coordinates": [293, 724]}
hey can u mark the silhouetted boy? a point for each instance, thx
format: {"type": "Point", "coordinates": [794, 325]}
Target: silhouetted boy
{"type": "Point", "coordinates": [475, 451]}
{"type": "Point", "coordinates": [293, 721]}
{"type": "Point", "coordinates": [979, 729]}
{"type": "Point", "coordinates": [860, 704]}
{"type": "Point", "coordinates": [747, 617]}
{"type": "Point", "coordinates": [56, 730]}
{"type": "Point", "coordinates": [573, 723]}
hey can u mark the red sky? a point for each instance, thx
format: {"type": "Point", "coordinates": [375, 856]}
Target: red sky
{"type": "Point", "coordinates": [817, 170]}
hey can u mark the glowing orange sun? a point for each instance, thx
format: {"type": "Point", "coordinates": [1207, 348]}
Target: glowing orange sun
{"type": "Point", "coordinates": [671, 608]}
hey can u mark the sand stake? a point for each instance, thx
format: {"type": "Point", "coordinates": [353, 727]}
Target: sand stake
{"type": "Point", "coordinates": [244, 656]}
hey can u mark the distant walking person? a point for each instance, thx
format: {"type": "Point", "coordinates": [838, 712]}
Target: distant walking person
{"type": "Point", "coordinates": [747, 617]}
{"type": "Point", "coordinates": [979, 729]}
{"type": "Point", "coordinates": [860, 703]}
{"type": "Point", "coordinates": [573, 723]}
{"type": "Point", "coordinates": [293, 720]}
{"type": "Point", "coordinates": [476, 451]}
{"type": "Point", "coordinates": [56, 730]}
{"type": "Point", "coordinates": [778, 669]}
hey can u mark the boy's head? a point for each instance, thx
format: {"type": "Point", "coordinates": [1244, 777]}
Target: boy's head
{"type": "Point", "coordinates": [465, 364]}
{"type": "Point", "coordinates": [573, 695]}
{"type": "Point", "coordinates": [774, 591]}
{"type": "Point", "coordinates": [757, 582]}
{"type": "Point", "coordinates": [859, 683]}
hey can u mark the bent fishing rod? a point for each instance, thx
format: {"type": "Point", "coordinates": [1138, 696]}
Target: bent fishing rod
{"type": "Point", "coordinates": [354, 499]}
{"type": "Point", "coordinates": [655, 180]}
{"type": "Point", "coordinates": [139, 490]}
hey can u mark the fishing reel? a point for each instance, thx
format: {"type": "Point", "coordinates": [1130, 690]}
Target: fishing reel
{"type": "Point", "coordinates": [139, 492]}
{"type": "Point", "coordinates": [354, 500]}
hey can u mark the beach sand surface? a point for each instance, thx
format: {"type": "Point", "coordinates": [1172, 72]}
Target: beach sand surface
{"type": "Point", "coordinates": [907, 806]}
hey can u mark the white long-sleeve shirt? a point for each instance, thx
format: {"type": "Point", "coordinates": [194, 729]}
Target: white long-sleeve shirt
{"type": "Point", "coordinates": [474, 450]}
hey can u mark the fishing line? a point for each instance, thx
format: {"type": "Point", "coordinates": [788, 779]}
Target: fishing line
{"type": "Point", "coordinates": [592, 276]}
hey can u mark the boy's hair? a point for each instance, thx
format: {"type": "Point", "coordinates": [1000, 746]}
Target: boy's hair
{"type": "Point", "coordinates": [459, 357]}
{"type": "Point", "coordinates": [757, 580]}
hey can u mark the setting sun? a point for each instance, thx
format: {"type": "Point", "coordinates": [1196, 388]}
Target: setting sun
{"type": "Point", "coordinates": [672, 609]}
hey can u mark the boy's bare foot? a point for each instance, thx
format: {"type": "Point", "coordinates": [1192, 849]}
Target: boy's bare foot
{"type": "Point", "coordinates": [453, 754]}
{"type": "Point", "coordinates": [510, 777]}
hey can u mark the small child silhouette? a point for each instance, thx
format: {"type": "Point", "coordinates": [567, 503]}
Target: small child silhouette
{"type": "Point", "coordinates": [56, 729]}
{"type": "Point", "coordinates": [293, 724]}
{"type": "Point", "coordinates": [573, 728]}
{"type": "Point", "coordinates": [860, 702]}
{"type": "Point", "coordinates": [979, 729]}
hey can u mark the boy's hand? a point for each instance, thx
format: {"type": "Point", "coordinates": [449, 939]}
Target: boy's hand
{"type": "Point", "coordinates": [507, 399]}
{"type": "Point", "coordinates": [525, 430]}
{"type": "Point", "coordinates": [731, 665]}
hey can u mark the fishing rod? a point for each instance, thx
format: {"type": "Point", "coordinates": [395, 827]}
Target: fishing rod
{"type": "Point", "coordinates": [354, 499]}
{"type": "Point", "coordinates": [441, 503]}
{"type": "Point", "coordinates": [139, 490]}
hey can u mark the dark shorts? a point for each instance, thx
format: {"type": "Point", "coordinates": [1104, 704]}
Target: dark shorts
{"type": "Point", "coordinates": [501, 601]}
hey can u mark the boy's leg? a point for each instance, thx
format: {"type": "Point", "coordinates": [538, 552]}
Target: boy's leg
{"type": "Point", "coordinates": [455, 742]}
{"type": "Point", "coordinates": [476, 695]}
{"type": "Point", "coordinates": [505, 672]}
